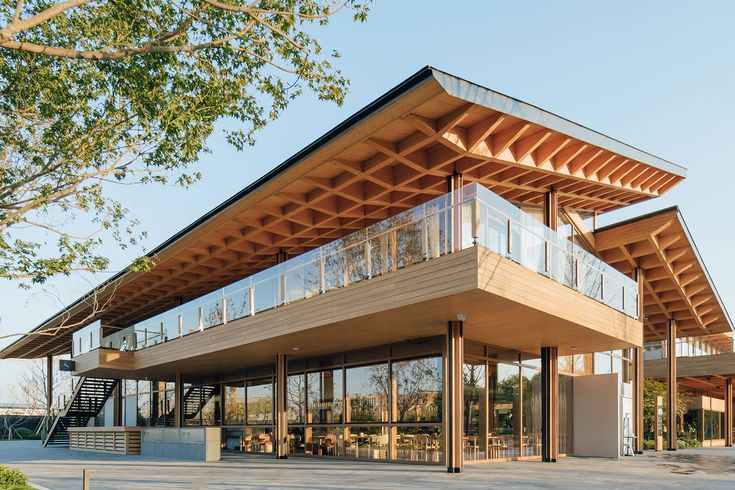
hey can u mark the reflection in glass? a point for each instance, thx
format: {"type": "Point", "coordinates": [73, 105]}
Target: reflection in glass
{"type": "Point", "coordinates": [504, 393]}
{"type": "Point", "coordinates": [531, 437]}
{"type": "Point", "coordinates": [367, 393]}
{"type": "Point", "coordinates": [325, 396]}
{"type": "Point", "coordinates": [418, 390]}
{"type": "Point", "coordinates": [234, 405]}
{"type": "Point", "coordinates": [475, 409]}
{"type": "Point", "coordinates": [296, 399]}
{"type": "Point", "coordinates": [260, 401]}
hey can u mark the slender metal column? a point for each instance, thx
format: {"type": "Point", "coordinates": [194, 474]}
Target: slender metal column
{"type": "Point", "coordinates": [728, 412]}
{"type": "Point", "coordinates": [454, 396]}
{"type": "Point", "coordinates": [671, 385]}
{"type": "Point", "coordinates": [178, 401]}
{"type": "Point", "coordinates": [49, 383]}
{"type": "Point", "coordinates": [281, 415]}
{"type": "Point", "coordinates": [549, 404]}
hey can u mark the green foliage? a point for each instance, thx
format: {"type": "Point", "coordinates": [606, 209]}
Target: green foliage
{"type": "Point", "coordinates": [653, 388]}
{"type": "Point", "coordinates": [121, 92]}
{"type": "Point", "coordinates": [10, 477]}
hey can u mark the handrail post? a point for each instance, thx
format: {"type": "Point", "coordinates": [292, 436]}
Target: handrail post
{"type": "Point", "coordinates": [510, 237]}
{"type": "Point", "coordinates": [224, 307]}
{"type": "Point", "coordinates": [475, 221]}
{"type": "Point", "coordinates": [322, 282]}
{"type": "Point", "coordinates": [368, 262]}
{"type": "Point", "coordinates": [181, 324]}
{"type": "Point", "coordinates": [251, 300]}
{"type": "Point", "coordinates": [199, 314]}
{"type": "Point", "coordinates": [602, 286]}
{"type": "Point", "coordinates": [547, 256]}
{"type": "Point", "coordinates": [424, 237]}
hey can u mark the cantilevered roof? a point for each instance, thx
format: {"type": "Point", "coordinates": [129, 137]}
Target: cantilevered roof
{"type": "Point", "coordinates": [392, 155]}
{"type": "Point", "coordinates": [676, 282]}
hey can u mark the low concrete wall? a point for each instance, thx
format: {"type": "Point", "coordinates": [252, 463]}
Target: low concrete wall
{"type": "Point", "coordinates": [191, 443]}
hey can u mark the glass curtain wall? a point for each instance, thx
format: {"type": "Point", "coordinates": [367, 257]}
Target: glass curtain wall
{"type": "Point", "coordinates": [502, 406]}
{"type": "Point", "coordinates": [386, 410]}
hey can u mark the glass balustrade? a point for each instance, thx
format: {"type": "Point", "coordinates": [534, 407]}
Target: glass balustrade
{"type": "Point", "coordinates": [474, 216]}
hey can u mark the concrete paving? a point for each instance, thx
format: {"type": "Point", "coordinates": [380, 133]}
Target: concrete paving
{"type": "Point", "coordinates": [56, 468]}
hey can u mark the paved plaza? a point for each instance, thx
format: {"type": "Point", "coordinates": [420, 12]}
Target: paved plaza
{"type": "Point", "coordinates": [56, 468]}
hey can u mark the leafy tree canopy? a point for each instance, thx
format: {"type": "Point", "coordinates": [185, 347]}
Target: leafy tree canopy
{"type": "Point", "coordinates": [119, 91]}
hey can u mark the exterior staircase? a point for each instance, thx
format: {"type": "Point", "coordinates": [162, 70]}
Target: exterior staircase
{"type": "Point", "coordinates": [195, 399]}
{"type": "Point", "coordinates": [88, 398]}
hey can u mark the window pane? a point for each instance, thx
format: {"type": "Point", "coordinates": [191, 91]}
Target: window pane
{"type": "Point", "coordinates": [212, 405]}
{"type": "Point", "coordinates": [260, 401]}
{"type": "Point", "coordinates": [603, 364]}
{"type": "Point", "coordinates": [367, 393]}
{"type": "Point", "coordinates": [504, 393]}
{"type": "Point", "coordinates": [296, 399]}
{"type": "Point", "coordinates": [475, 406]}
{"type": "Point", "coordinates": [531, 412]}
{"type": "Point", "coordinates": [418, 388]}
{"type": "Point", "coordinates": [325, 396]}
{"type": "Point", "coordinates": [234, 394]}
{"type": "Point", "coordinates": [144, 409]}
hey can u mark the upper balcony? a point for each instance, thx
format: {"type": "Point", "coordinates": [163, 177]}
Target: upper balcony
{"type": "Point", "coordinates": [470, 217]}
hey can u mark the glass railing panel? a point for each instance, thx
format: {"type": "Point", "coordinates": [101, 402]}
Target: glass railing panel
{"type": "Point", "coordinates": [409, 238]}
{"type": "Point", "coordinates": [189, 318]}
{"type": "Point", "coordinates": [357, 262]}
{"type": "Point", "coordinates": [170, 321]}
{"type": "Point", "coordinates": [381, 256]}
{"type": "Point", "coordinates": [265, 290]}
{"type": "Point", "coordinates": [211, 306]}
{"type": "Point", "coordinates": [301, 276]}
{"type": "Point", "coordinates": [237, 299]}
{"type": "Point", "coordinates": [590, 278]}
{"type": "Point", "coordinates": [335, 266]}
{"type": "Point", "coordinates": [613, 291]}
{"type": "Point", "coordinates": [533, 245]}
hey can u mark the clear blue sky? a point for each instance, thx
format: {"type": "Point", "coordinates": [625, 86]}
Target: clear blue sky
{"type": "Point", "coordinates": [657, 74]}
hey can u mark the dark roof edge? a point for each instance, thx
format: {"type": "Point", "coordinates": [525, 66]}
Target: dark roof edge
{"type": "Point", "coordinates": [688, 234]}
{"type": "Point", "coordinates": [478, 94]}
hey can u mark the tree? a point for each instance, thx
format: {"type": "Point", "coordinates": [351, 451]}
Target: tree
{"type": "Point", "coordinates": [30, 394]}
{"type": "Point", "coordinates": [653, 388]}
{"type": "Point", "coordinates": [94, 93]}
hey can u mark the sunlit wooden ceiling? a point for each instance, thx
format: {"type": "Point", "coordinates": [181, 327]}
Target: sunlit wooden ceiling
{"type": "Point", "coordinates": [393, 155]}
{"type": "Point", "coordinates": [676, 283]}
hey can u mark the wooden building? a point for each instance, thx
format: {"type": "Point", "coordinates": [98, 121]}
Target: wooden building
{"type": "Point", "coordinates": [422, 283]}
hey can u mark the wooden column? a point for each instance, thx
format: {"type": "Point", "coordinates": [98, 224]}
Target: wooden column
{"type": "Point", "coordinates": [281, 414]}
{"type": "Point", "coordinates": [671, 385]}
{"type": "Point", "coordinates": [178, 401]}
{"type": "Point", "coordinates": [454, 396]}
{"type": "Point", "coordinates": [728, 412]}
{"type": "Point", "coordinates": [638, 399]}
{"type": "Point", "coordinates": [117, 401]}
{"type": "Point", "coordinates": [551, 209]}
{"type": "Point", "coordinates": [638, 377]}
{"type": "Point", "coordinates": [549, 404]}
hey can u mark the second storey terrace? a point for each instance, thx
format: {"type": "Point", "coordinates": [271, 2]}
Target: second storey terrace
{"type": "Point", "coordinates": [428, 140]}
